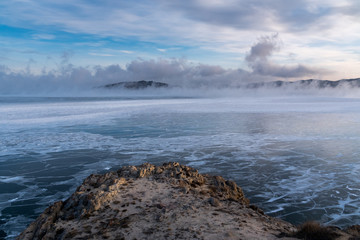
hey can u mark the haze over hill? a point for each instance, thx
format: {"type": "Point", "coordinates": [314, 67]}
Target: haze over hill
{"type": "Point", "coordinates": [301, 88]}
{"type": "Point", "coordinates": [299, 84]}
{"type": "Point", "coordinates": [309, 83]}
{"type": "Point", "coordinates": [136, 85]}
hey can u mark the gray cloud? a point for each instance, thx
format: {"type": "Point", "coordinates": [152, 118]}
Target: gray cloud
{"type": "Point", "coordinates": [254, 14]}
{"type": "Point", "coordinates": [297, 71]}
{"type": "Point", "coordinates": [258, 61]}
{"type": "Point", "coordinates": [352, 9]}
{"type": "Point", "coordinates": [263, 49]}
{"type": "Point", "coordinates": [142, 18]}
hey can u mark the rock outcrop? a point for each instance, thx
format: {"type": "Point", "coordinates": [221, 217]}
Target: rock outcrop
{"type": "Point", "coordinates": [157, 202]}
{"type": "Point", "coordinates": [137, 85]}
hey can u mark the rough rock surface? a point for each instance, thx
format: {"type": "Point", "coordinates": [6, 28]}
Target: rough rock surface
{"type": "Point", "coordinates": [156, 202]}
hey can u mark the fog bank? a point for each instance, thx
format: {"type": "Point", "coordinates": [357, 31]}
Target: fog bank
{"type": "Point", "coordinates": [184, 78]}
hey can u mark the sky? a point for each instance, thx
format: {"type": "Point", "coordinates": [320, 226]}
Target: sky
{"type": "Point", "coordinates": [182, 42]}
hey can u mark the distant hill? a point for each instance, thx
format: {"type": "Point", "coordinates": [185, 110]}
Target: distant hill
{"type": "Point", "coordinates": [137, 85]}
{"type": "Point", "coordinates": [355, 82]}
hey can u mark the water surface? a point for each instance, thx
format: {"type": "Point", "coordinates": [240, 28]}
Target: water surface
{"type": "Point", "coordinates": [297, 158]}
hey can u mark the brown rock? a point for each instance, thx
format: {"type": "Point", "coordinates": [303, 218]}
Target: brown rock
{"type": "Point", "coordinates": [214, 202]}
{"type": "Point", "coordinates": [354, 230]}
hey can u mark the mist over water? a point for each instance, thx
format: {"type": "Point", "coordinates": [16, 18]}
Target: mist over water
{"type": "Point", "coordinates": [184, 77]}
{"type": "Point", "coordinates": [297, 157]}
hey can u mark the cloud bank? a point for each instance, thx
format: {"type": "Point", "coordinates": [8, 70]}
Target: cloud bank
{"type": "Point", "coordinates": [176, 72]}
{"type": "Point", "coordinates": [179, 73]}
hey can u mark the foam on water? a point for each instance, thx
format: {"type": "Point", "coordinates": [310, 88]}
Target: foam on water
{"type": "Point", "coordinates": [296, 158]}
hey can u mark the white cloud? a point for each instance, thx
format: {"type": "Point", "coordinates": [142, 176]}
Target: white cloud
{"type": "Point", "coordinates": [101, 54]}
{"type": "Point", "coordinates": [126, 51]}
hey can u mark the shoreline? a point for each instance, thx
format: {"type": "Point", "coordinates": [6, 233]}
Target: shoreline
{"type": "Point", "coordinates": [171, 201]}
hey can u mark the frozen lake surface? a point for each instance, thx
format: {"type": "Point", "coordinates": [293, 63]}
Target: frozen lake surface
{"type": "Point", "coordinates": [298, 158]}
